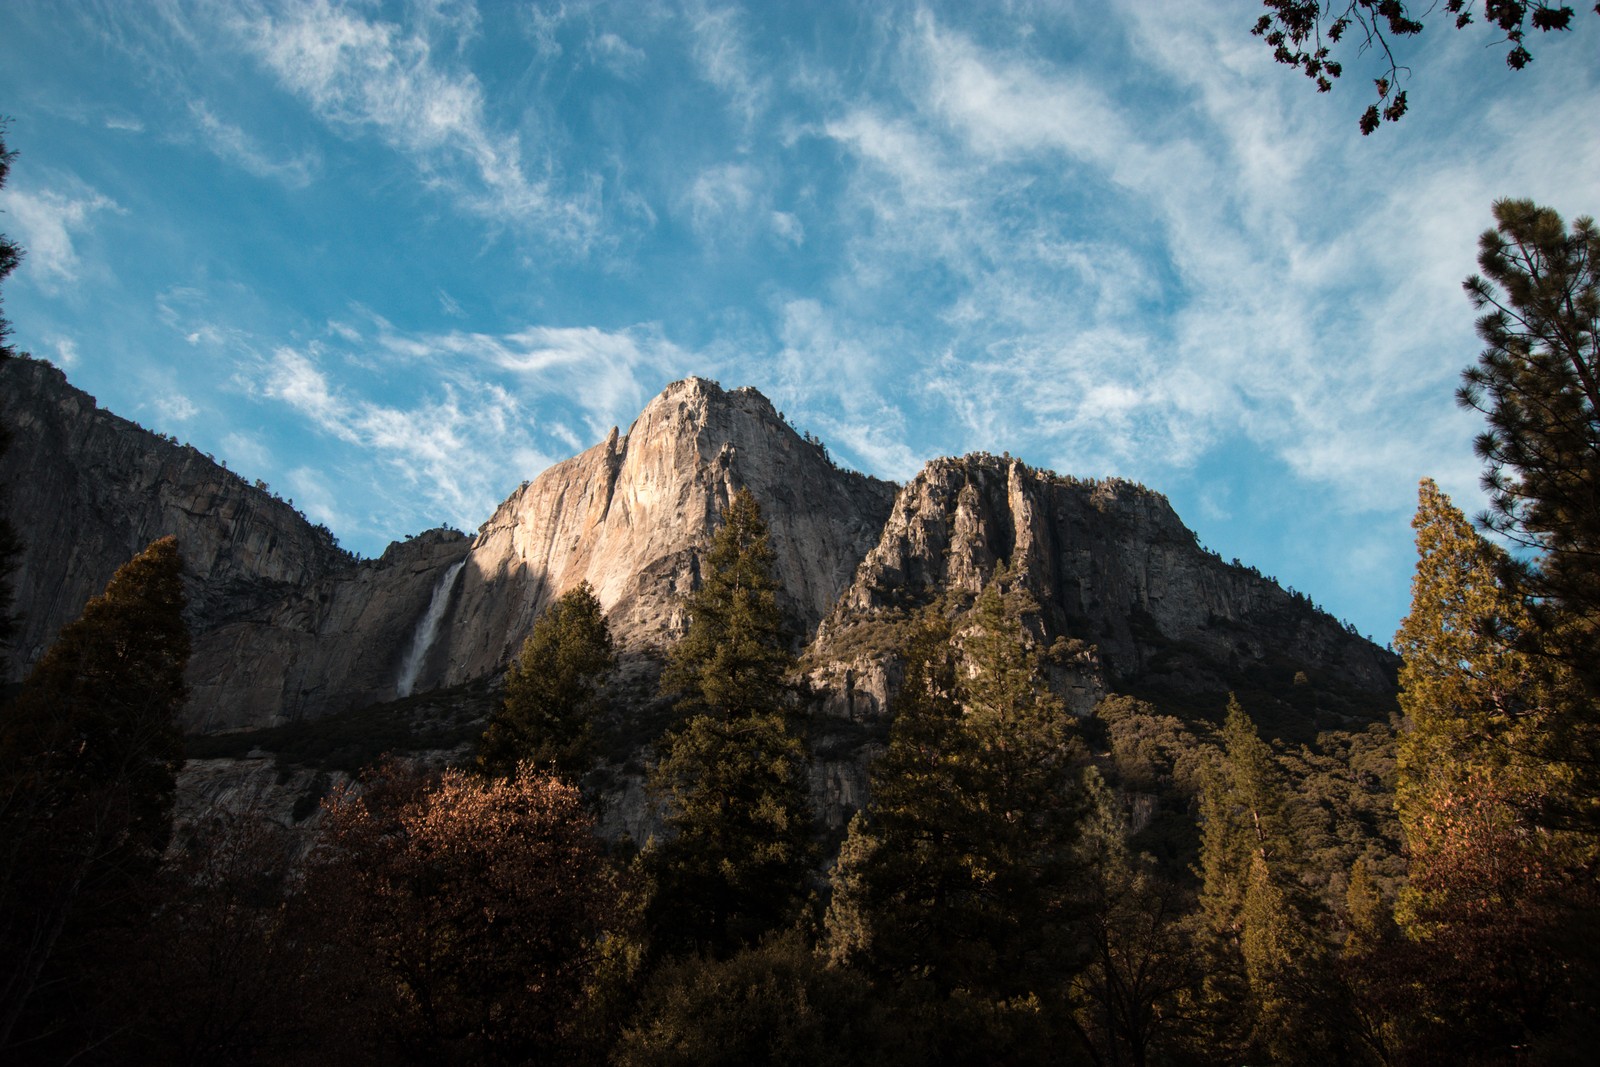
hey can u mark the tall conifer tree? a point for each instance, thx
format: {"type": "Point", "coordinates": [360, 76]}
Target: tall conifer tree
{"type": "Point", "coordinates": [961, 871]}
{"type": "Point", "coordinates": [734, 660]}
{"type": "Point", "coordinates": [1266, 963]}
{"type": "Point", "coordinates": [1498, 908]}
{"type": "Point", "coordinates": [88, 756]}
{"type": "Point", "coordinates": [732, 778]}
{"type": "Point", "coordinates": [553, 692]}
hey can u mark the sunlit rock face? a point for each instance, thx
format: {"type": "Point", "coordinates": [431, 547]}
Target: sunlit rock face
{"type": "Point", "coordinates": [634, 515]}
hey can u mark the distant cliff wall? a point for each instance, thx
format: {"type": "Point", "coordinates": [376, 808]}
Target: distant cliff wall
{"type": "Point", "coordinates": [86, 491]}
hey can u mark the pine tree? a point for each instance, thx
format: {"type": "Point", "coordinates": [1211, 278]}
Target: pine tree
{"type": "Point", "coordinates": [732, 778]}
{"type": "Point", "coordinates": [1537, 382]}
{"type": "Point", "coordinates": [1266, 963]}
{"type": "Point", "coordinates": [553, 692]}
{"type": "Point", "coordinates": [961, 872]}
{"type": "Point", "coordinates": [903, 869]}
{"type": "Point", "coordinates": [735, 658]}
{"type": "Point", "coordinates": [89, 753]}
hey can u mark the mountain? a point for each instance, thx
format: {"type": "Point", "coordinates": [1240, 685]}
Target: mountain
{"type": "Point", "coordinates": [289, 628]}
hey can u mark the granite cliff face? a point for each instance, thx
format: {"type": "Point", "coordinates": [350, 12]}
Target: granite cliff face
{"type": "Point", "coordinates": [634, 515]}
{"type": "Point", "coordinates": [1126, 596]}
{"type": "Point", "coordinates": [87, 491]}
{"type": "Point", "coordinates": [336, 644]}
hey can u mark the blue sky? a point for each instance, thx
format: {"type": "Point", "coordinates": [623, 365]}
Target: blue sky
{"type": "Point", "coordinates": [396, 258]}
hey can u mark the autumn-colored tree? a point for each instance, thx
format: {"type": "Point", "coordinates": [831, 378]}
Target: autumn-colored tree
{"type": "Point", "coordinates": [475, 908]}
{"type": "Point", "coordinates": [732, 778]}
{"type": "Point", "coordinates": [553, 691]}
{"type": "Point", "coordinates": [88, 754]}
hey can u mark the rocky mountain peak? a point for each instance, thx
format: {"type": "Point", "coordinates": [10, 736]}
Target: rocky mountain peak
{"type": "Point", "coordinates": [633, 516]}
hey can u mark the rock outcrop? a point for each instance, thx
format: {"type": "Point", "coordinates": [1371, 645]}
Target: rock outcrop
{"type": "Point", "coordinates": [338, 643]}
{"type": "Point", "coordinates": [1126, 596]}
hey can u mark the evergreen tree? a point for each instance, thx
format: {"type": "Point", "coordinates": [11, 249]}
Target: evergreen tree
{"type": "Point", "coordinates": [961, 873]}
{"type": "Point", "coordinates": [1471, 698]}
{"type": "Point", "coordinates": [1267, 967]}
{"type": "Point", "coordinates": [88, 754]}
{"type": "Point", "coordinates": [735, 795]}
{"type": "Point", "coordinates": [553, 692]}
{"type": "Point", "coordinates": [1493, 901]}
{"type": "Point", "coordinates": [735, 658]}
{"type": "Point", "coordinates": [1537, 382]}
{"type": "Point", "coordinates": [904, 863]}
{"type": "Point", "coordinates": [732, 778]}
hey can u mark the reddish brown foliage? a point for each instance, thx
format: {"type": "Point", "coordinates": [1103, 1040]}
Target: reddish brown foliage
{"type": "Point", "coordinates": [474, 907]}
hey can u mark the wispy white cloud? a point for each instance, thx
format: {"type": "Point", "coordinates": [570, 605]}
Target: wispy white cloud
{"type": "Point", "coordinates": [722, 201]}
{"type": "Point", "coordinates": [175, 407]}
{"type": "Point", "coordinates": [46, 222]}
{"type": "Point", "coordinates": [471, 432]}
{"type": "Point", "coordinates": [233, 145]}
{"type": "Point", "coordinates": [617, 55]}
{"type": "Point", "coordinates": [365, 74]}
{"type": "Point", "coordinates": [788, 228]}
{"type": "Point", "coordinates": [444, 448]}
{"type": "Point", "coordinates": [608, 375]}
{"type": "Point", "coordinates": [66, 351]}
{"type": "Point", "coordinates": [722, 56]}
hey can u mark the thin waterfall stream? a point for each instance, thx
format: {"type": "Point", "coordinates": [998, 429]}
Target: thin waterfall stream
{"type": "Point", "coordinates": [427, 630]}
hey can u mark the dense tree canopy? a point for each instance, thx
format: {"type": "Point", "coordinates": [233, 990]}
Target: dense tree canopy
{"type": "Point", "coordinates": [1307, 34]}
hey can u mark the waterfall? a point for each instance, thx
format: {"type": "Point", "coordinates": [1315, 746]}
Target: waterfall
{"type": "Point", "coordinates": [427, 630]}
